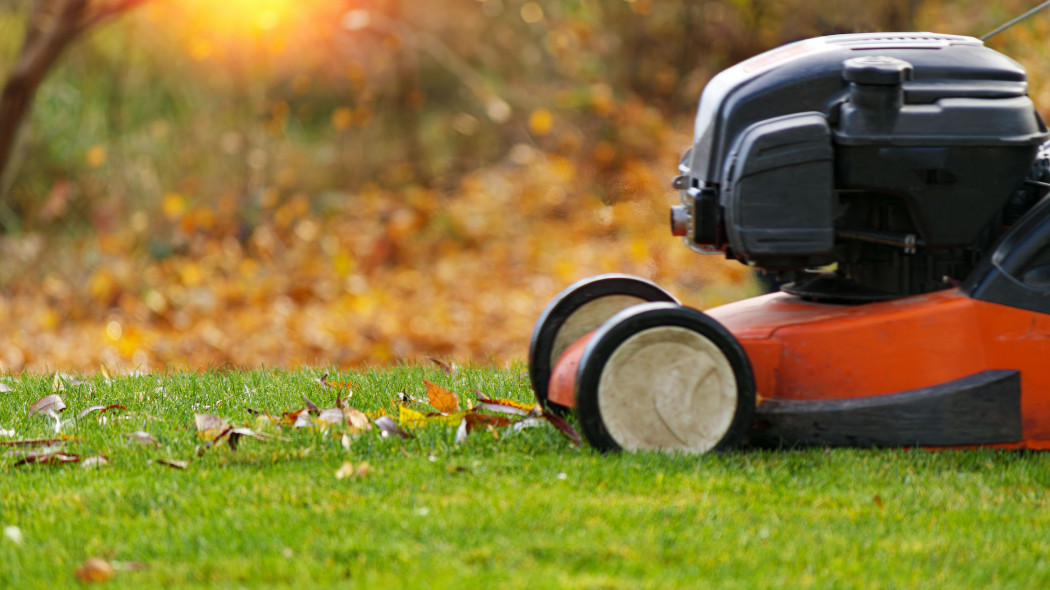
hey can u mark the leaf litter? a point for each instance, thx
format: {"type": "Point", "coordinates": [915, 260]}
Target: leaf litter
{"type": "Point", "coordinates": [489, 414]}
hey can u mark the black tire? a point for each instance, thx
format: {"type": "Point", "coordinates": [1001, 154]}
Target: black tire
{"type": "Point", "coordinates": [660, 376]}
{"type": "Point", "coordinates": [578, 309]}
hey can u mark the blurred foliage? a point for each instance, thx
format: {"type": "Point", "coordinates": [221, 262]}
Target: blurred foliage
{"type": "Point", "coordinates": [279, 182]}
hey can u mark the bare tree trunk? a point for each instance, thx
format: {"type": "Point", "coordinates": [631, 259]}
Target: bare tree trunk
{"type": "Point", "coordinates": [52, 25]}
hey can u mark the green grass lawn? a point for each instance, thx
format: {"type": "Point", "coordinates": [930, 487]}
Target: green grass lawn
{"type": "Point", "coordinates": [503, 509]}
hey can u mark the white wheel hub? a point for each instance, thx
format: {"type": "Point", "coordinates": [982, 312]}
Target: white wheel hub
{"type": "Point", "coordinates": [667, 388]}
{"type": "Point", "coordinates": [588, 317]}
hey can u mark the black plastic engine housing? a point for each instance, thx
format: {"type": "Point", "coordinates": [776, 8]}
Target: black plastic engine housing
{"type": "Point", "coordinates": [890, 154]}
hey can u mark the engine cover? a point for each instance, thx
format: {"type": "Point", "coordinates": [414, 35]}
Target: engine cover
{"type": "Point", "coordinates": [910, 143]}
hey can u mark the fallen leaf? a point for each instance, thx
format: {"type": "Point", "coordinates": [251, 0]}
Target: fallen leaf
{"type": "Point", "coordinates": [409, 418]}
{"type": "Point", "coordinates": [563, 427]}
{"type": "Point", "coordinates": [94, 462]}
{"type": "Point", "coordinates": [404, 398]}
{"type": "Point", "coordinates": [527, 423]}
{"type": "Point", "coordinates": [36, 442]}
{"type": "Point", "coordinates": [95, 569]}
{"type": "Point", "coordinates": [311, 406]}
{"type": "Point", "coordinates": [49, 403]}
{"type": "Point", "coordinates": [141, 437]}
{"type": "Point", "coordinates": [210, 427]}
{"type": "Point", "coordinates": [173, 463]}
{"type": "Point", "coordinates": [447, 368]}
{"type": "Point", "coordinates": [387, 427]}
{"type": "Point", "coordinates": [357, 421]}
{"type": "Point", "coordinates": [60, 382]}
{"type": "Point", "coordinates": [877, 500]}
{"type": "Point", "coordinates": [442, 399]}
{"type": "Point", "coordinates": [292, 418]}
{"type": "Point", "coordinates": [509, 406]}
{"type": "Point", "coordinates": [129, 566]}
{"type": "Point", "coordinates": [331, 416]}
{"type": "Point", "coordinates": [363, 469]}
{"type": "Point", "coordinates": [303, 419]}
{"type": "Point", "coordinates": [45, 456]}
{"type": "Point", "coordinates": [461, 432]}
{"type": "Point", "coordinates": [475, 421]}
{"type": "Point", "coordinates": [345, 470]}
{"type": "Point", "coordinates": [323, 380]}
{"type": "Point", "coordinates": [99, 409]}
{"type": "Point", "coordinates": [13, 534]}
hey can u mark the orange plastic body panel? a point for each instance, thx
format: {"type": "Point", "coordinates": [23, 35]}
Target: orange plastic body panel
{"type": "Point", "coordinates": [801, 350]}
{"type": "Point", "coordinates": [562, 388]}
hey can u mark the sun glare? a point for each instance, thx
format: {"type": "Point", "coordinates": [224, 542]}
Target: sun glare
{"type": "Point", "coordinates": [213, 30]}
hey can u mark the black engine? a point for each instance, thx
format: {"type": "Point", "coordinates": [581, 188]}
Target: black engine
{"type": "Point", "coordinates": [893, 160]}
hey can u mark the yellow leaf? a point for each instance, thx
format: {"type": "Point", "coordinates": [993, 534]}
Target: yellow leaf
{"type": "Point", "coordinates": [409, 418]}
{"type": "Point", "coordinates": [442, 399]}
{"type": "Point", "coordinates": [541, 121]}
{"type": "Point", "coordinates": [173, 205]}
{"type": "Point", "coordinates": [96, 155]}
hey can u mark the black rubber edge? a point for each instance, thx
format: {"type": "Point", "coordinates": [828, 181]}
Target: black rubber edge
{"type": "Point", "coordinates": [563, 306]}
{"type": "Point", "coordinates": [634, 319]}
{"type": "Point", "coordinates": [983, 408]}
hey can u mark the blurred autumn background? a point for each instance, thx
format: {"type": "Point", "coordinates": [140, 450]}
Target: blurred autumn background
{"type": "Point", "coordinates": [281, 182]}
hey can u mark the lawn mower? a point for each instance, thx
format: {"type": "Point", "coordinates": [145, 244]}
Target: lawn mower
{"type": "Point", "coordinates": [894, 185]}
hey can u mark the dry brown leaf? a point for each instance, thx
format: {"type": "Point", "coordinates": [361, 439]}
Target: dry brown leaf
{"type": "Point", "coordinates": [387, 427]}
{"type": "Point", "coordinates": [357, 421]}
{"type": "Point", "coordinates": [345, 470]}
{"type": "Point", "coordinates": [49, 403]}
{"type": "Point", "coordinates": [95, 570]}
{"type": "Point", "coordinates": [44, 456]}
{"type": "Point", "coordinates": [99, 409]}
{"type": "Point", "coordinates": [442, 399]}
{"type": "Point", "coordinates": [95, 461]}
{"type": "Point", "coordinates": [475, 421]}
{"type": "Point", "coordinates": [563, 427]}
{"type": "Point", "coordinates": [173, 463]}
{"type": "Point", "coordinates": [141, 437]}
{"type": "Point", "coordinates": [447, 368]}
{"type": "Point", "coordinates": [330, 416]}
{"type": "Point", "coordinates": [36, 442]}
{"type": "Point", "coordinates": [207, 422]}
{"type": "Point", "coordinates": [311, 406]}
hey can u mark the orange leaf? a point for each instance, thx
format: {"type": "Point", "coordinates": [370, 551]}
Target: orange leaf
{"type": "Point", "coordinates": [95, 569]}
{"type": "Point", "coordinates": [442, 399]}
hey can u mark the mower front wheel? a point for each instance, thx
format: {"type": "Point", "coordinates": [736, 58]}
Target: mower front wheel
{"type": "Point", "coordinates": [660, 376]}
{"type": "Point", "coordinates": [577, 310]}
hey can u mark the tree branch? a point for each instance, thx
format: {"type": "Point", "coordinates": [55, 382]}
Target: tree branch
{"type": "Point", "coordinates": [108, 11]}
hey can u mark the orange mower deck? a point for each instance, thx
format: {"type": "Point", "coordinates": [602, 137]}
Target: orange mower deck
{"type": "Point", "coordinates": [940, 369]}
